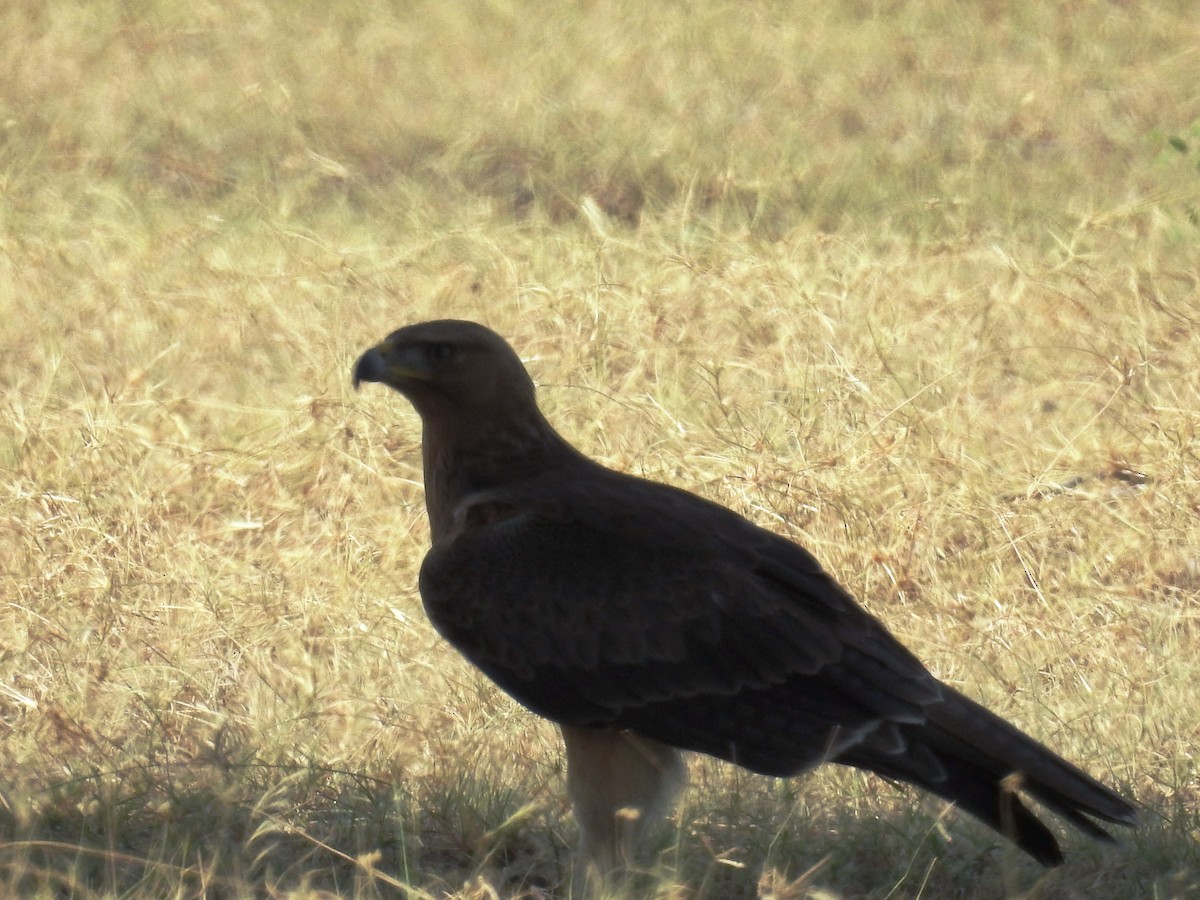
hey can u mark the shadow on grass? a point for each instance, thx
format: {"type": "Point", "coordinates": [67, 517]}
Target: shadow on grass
{"type": "Point", "coordinates": [254, 829]}
{"type": "Point", "coordinates": [267, 830]}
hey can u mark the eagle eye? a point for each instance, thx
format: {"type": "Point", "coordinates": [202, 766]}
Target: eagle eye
{"type": "Point", "coordinates": [439, 352]}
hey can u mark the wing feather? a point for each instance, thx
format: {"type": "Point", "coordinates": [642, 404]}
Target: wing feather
{"type": "Point", "coordinates": [649, 608]}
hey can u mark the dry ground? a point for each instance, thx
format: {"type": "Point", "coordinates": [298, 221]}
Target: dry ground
{"type": "Point", "coordinates": [916, 284]}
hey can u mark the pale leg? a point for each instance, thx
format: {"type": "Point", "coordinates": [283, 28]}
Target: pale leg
{"type": "Point", "coordinates": [620, 784]}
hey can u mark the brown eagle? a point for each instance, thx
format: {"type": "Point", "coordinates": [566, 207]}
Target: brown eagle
{"type": "Point", "coordinates": [645, 621]}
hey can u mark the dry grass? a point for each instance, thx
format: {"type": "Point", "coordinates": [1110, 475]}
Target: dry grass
{"type": "Point", "coordinates": [915, 284]}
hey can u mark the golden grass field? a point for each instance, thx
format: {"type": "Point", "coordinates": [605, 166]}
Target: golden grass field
{"type": "Point", "coordinates": [915, 284]}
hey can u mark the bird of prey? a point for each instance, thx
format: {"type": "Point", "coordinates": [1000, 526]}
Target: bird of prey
{"type": "Point", "coordinates": [645, 621]}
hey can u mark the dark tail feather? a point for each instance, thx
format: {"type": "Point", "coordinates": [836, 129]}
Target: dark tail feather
{"type": "Point", "coordinates": [1061, 785]}
{"type": "Point", "coordinates": [975, 759]}
{"type": "Point", "coordinates": [997, 805]}
{"type": "Point", "coordinates": [980, 792]}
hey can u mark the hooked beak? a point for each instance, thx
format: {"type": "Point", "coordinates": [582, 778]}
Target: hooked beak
{"type": "Point", "coordinates": [388, 364]}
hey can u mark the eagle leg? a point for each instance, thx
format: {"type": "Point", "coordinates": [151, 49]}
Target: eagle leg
{"type": "Point", "coordinates": [620, 784]}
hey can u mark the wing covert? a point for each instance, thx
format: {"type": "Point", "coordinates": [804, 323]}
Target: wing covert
{"type": "Point", "coordinates": [693, 626]}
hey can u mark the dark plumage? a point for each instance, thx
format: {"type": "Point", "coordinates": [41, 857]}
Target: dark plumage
{"type": "Point", "coordinates": [624, 609]}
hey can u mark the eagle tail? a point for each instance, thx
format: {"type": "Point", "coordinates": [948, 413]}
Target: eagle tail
{"type": "Point", "coordinates": [974, 759]}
